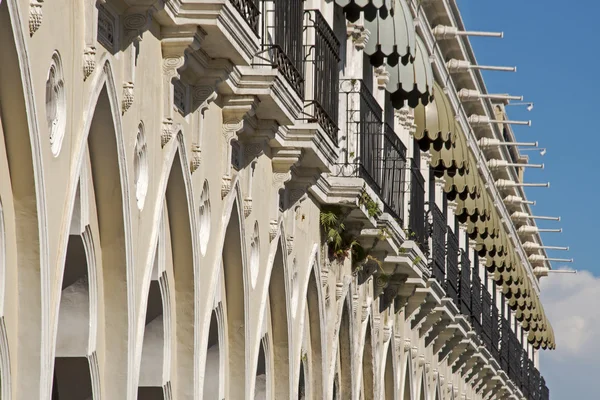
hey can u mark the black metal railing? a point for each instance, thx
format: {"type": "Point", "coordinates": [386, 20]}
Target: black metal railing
{"type": "Point", "coordinates": [464, 286]}
{"type": "Point", "coordinates": [393, 173]}
{"type": "Point", "coordinates": [249, 11]}
{"type": "Point", "coordinates": [322, 56]}
{"type": "Point", "coordinates": [417, 217]}
{"type": "Point", "coordinates": [486, 318]}
{"type": "Point", "coordinates": [495, 332]}
{"type": "Point", "coordinates": [545, 393]}
{"type": "Point", "coordinates": [282, 48]}
{"type": "Point", "coordinates": [438, 244]}
{"type": "Point", "coordinates": [476, 302]}
{"type": "Point", "coordinates": [377, 153]}
{"type": "Point", "coordinates": [452, 271]}
{"type": "Point", "coordinates": [504, 343]}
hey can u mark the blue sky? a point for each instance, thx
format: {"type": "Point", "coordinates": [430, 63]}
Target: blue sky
{"type": "Point", "coordinates": [555, 49]}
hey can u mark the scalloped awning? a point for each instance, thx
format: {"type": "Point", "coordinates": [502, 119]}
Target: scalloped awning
{"type": "Point", "coordinates": [412, 84]}
{"type": "Point", "coordinates": [435, 123]}
{"type": "Point", "coordinates": [393, 38]}
{"type": "Point", "coordinates": [353, 8]}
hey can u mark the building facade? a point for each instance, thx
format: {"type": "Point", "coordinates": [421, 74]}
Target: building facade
{"type": "Point", "coordinates": [259, 199]}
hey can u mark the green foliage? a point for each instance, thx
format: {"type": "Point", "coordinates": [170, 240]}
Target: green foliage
{"type": "Point", "coordinates": [417, 260]}
{"type": "Point", "coordinates": [340, 242]}
{"type": "Point", "coordinates": [370, 204]}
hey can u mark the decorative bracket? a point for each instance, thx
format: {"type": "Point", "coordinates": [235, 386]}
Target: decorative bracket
{"type": "Point", "coordinates": [35, 16]}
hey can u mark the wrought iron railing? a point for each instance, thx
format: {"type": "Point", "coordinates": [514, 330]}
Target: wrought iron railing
{"type": "Point", "coordinates": [373, 151]}
{"type": "Point", "coordinates": [504, 343]}
{"type": "Point", "coordinates": [464, 291]}
{"type": "Point", "coordinates": [495, 332]}
{"type": "Point", "coordinates": [249, 11]}
{"type": "Point", "coordinates": [545, 393]}
{"type": "Point", "coordinates": [476, 301]}
{"type": "Point", "coordinates": [438, 244]}
{"type": "Point", "coordinates": [452, 271]}
{"type": "Point", "coordinates": [393, 173]}
{"type": "Point", "coordinates": [417, 217]}
{"type": "Point", "coordinates": [486, 318]}
{"type": "Point", "coordinates": [282, 37]}
{"type": "Point", "coordinates": [322, 56]}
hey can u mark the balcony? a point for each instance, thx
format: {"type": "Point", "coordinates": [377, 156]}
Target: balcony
{"type": "Point", "coordinates": [229, 27]}
{"type": "Point", "coordinates": [281, 47]}
{"type": "Point", "coordinates": [373, 150]}
{"type": "Point", "coordinates": [417, 220]}
{"type": "Point", "coordinates": [464, 293]}
{"type": "Point", "coordinates": [452, 271]}
{"type": "Point", "coordinates": [322, 56]}
{"type": "Point", "coordinates": [438, 244]}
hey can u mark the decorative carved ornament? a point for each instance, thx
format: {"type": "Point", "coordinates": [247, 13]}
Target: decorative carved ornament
{"type": "Point", "coordinates": [35, 16]}
{"type": "Point", "coordinates": [89, 61]}
{"type": "Point", "coordinates": [127, 96]}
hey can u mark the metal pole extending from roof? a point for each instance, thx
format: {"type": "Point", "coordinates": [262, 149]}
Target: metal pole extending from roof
{"type": "Point", "coordinates": [497, 164]}
{"type": "Point", "coordinates": [475, 119]}
{"type": "Point", "coordinates": [487, 142]}
{"type": "Point", "coordinates": [529, 229]}
{"type": "Point", "coordinates": [539, 257]}
{"type": "Point", "coordinates": [470, 94]}
{"type": "Point", "coordinates": [534, 246]}
{"type": "Point", "coordinates": [522, 215]}
{"type": "Point", "coordinates": [446, 32]}
{"type": "Point", "coordinates": [455, 65]}
{"type": "Point", "coordinates": [517, 200]}
{"type": "Point", "coordinates": [505, 183]}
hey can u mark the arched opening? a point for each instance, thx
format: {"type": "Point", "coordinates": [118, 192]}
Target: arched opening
{"type": "Point", "coordinates": [367, 365]}
{"type": "Point", "coordinates": [407, 390]}
{"type": "Point", "coordinates": [20, 160]}
{"type": "Point", "coordinates": [106, 176]}
{"type": "Point", "coordinates": [301, 382]}
{"type": "Point", "coordinates": [423, 393]}
{"type": "Point", "coordinates": [72, 377]}
{"type": "Point", "coordinates": [279, 327]}
{"type": "Point", "coordinates": [314, 317]}
{"type": "Point", "coordinates": [152, 369]}
{"type": "Point", "coordinates": [345, 354]}
{"type": "Point", "coordinates": [233, 272]}
{"type": "Point", "coordinates": [261, 382]}
{"type": "Point", "coordinates": [388, 378]}
{"type": "Point", "coordinates": [179, 227]}
{"type": "Point", "coordinates": [212, 371]}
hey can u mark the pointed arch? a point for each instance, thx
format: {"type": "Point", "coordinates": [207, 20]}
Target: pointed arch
{"type": "Point", "coordinates": [367, 364]}
{"type": "Point", "coordinates": [155, 372]}
{"type": "Point", "coordinates": [315, 312]}
{"type": "Point", "coordinates": [180, 227]}
{"type": "Point", "coordinates": [106, 155]}
{"type": "Point", "coordinates": [20, 128]}
{"type": "Point", "coordinates": [389, 375]}
{"type": "Point", "coordinates": [423, 395]}
{"type": "Point", "coordinates": [279, 310]}
{"type": "Point", "coordinates": [345, 353]}
{"type": "Point", "coordinates": [407, 381]}
{"type": "Point", "coordinates": [233, 257]}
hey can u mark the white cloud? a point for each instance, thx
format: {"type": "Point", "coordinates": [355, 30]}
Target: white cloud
{"type": "Point", "coordinates": [572, 303]}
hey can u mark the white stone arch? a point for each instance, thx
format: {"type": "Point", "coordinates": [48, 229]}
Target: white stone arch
{"type": "Point", "coordinates": [423, 392]}
{"type": "Point", "coordinates": [233, 228]}
{"type": "Point", "coordinates": [278, 254]}
{"type": "Point", "coordinates": [157, 341]}
{"type": "Point", "coordinates": [175, 148]}
{"type": "Point", "coordinates": [367, 367]}
{"type": "Point", "coordinates": [5, 383]}
{"type": "Point", "coordinates": [29, 181]}
{"type": "Point", "coordinates": [389, 368]}
{"type": "Point", "coordinates": [216, 350]}
{"type": "Point", "coordinates": [104, 89]}
{"type": "Point", "coordinates": [314, 307]}
{"type": "Point", "coordinates": [407, 389]}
